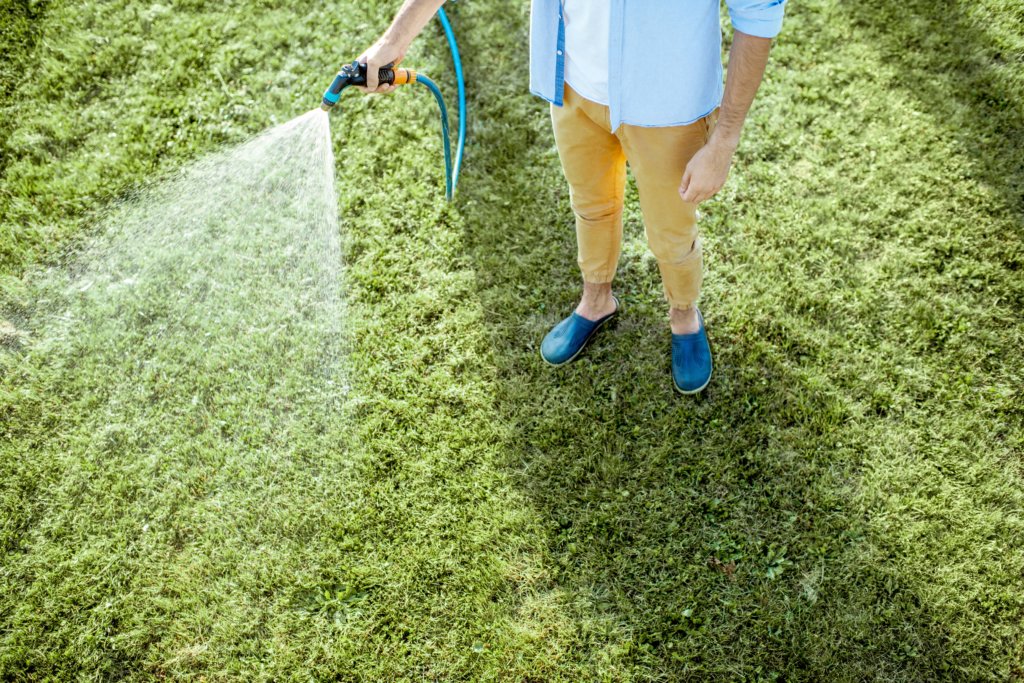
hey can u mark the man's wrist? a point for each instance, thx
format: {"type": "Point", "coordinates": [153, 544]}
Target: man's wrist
{"type": "Point", "coordinates": [724, 140]}
{"type": "Point", "coordinates": [393, 40]}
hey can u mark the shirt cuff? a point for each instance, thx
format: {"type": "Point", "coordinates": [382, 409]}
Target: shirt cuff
{"type": "Point", "coordinates": [764, 21]}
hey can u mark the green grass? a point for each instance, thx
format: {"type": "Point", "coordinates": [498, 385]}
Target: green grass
{"type": "Point", "coordinates": [846, 501]}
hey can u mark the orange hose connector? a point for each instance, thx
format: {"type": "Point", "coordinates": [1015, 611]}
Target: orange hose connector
{"type": "Point", "coordinates": [404, 76]}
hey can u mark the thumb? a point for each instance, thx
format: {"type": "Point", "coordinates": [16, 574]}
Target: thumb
{"type": "Point", "coordinates": [371, 76]}
{"type": "Point", "coordinates": [684, 185]}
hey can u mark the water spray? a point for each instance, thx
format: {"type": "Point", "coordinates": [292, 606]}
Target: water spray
{"type": "Point", "coordinates": [355, 74]}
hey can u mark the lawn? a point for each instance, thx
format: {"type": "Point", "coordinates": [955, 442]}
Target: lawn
{"type": "Point", "coordinates": [844, 503]}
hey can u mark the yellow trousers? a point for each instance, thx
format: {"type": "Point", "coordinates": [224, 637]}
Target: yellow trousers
{"type": "Point", "coordinates": [594, 161]}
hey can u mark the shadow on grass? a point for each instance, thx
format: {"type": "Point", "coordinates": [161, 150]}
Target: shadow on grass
{"type": "Point", "coordinates": [688, 535]}
{"type": "Point", "coordinates": [959, 74]}
{"type": "Point", "coordinates": [21, 21]}
{"type": "Point", "coordinates": [675, 525]}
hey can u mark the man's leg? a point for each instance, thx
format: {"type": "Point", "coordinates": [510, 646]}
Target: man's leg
{"type": "Point", "coordinates": [595, 167]}
{"type": "Point", "coordinates": [658, 157]}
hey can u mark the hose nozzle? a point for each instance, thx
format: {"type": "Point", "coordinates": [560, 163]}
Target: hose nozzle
{"type": "Point", "coordinates": [355, 74]}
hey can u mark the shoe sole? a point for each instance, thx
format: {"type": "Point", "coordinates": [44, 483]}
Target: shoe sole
{"type": "Point", "coordinates": [691, 392]}
{"type": "Point", "coordinates": [583, 348]}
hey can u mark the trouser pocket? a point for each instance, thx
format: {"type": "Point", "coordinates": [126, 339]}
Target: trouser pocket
{"type": "Point", "coordinates": [710, 121]}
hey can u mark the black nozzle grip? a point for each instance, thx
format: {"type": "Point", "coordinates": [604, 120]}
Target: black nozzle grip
{"type": "Point", "coordinates": [356, 74]}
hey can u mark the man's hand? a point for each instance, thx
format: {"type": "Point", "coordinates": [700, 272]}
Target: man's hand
{"type": "Point", "coordinates": [391, 47]}
{"type": "Point", "coordinates": [383, 53]}
{"type": "Point", "coordinates": [706, 173]}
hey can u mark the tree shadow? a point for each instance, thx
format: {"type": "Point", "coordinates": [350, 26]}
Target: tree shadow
{"type": "Point", "coordinates": [966, 77]}
{"type": "Point", "coordinates": [690, 536]}
{"type": "Point", "coordinates": [22, 22]}
{"type": "Point", "coordinates": [960, 74]}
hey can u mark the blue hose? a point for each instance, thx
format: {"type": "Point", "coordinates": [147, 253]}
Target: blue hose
{"type": "Point", "coordinates": [355, 74]}
{"type": "Point", "coordinates": [457, 62]}
{"type": "Point", "coordinates": [449, 185]}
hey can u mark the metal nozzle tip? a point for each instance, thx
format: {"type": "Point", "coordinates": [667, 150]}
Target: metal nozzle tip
{"type": "Point", "coordinates": [324, 107]}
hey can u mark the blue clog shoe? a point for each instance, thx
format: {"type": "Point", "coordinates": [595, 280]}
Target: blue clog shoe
{"type": "Point", "coordinates": [567, 339]}
{"type": "Point", "coordinates": [691, 360]}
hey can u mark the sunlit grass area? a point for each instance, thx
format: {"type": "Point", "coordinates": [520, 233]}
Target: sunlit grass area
{"type": "Point", "coordinates": [845, 502]}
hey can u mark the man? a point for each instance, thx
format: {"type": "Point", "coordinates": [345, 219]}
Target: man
{"type": "Point", "coordinates": [637, 81]}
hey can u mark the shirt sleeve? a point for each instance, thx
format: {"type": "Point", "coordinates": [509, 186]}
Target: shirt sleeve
{"type": "Point", "coordinates": [761, 19]}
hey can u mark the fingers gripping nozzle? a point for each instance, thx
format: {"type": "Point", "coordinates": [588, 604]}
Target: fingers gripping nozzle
{"type": "Point", "coordinates": [355, 74]}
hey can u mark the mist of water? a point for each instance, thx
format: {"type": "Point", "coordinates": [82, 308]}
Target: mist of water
{"type": "Point", "coordinates": [207, 305]}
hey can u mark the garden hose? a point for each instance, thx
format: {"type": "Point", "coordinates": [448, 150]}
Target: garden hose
{"type": "Point", "coordinates": [355, 74]}
{"type": "Point", "coordinates": [461, 84]}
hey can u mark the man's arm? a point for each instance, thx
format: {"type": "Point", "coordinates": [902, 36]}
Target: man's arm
{"type": "Point", "coordinates": [706, 173]}
{"type": "Point", "coordinates": [391, 47]}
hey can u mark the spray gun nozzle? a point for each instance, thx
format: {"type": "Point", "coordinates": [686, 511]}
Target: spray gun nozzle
{"type": "Point", "coordinates": [355, 74]}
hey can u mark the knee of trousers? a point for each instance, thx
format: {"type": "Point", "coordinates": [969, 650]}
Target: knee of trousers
{"type": "Point", "coordinates": [673, 257]}
{"type": "Point", "coordinates": [596, 213]}
{"type": "Point", "coordinates": [670, 226]}
{"type": "Point", "coordinates": [675, 248]}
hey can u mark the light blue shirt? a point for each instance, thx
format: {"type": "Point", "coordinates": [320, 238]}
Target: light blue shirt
{"type": "Point", "coordinates": [664, 56]}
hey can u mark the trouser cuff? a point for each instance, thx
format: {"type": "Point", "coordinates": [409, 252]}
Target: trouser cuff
{"type": "Point", "coordinates": [598, 278]}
